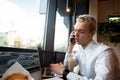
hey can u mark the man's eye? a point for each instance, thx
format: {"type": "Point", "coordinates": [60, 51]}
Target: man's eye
{"type": "Point", "coordinates": [82, 32]}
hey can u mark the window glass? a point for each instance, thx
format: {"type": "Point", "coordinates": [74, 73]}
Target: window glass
{"type": "Point", "coordinates": [61, 34]}
{"type": "Point", "coordinates": [21, 23]}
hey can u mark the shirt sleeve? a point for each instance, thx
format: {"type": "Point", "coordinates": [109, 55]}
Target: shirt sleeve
{"type": "Point", "coordinates": [104, 68]}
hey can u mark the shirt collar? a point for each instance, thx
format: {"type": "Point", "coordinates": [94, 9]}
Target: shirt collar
{"type": "Point", "coordinates": [91, 46]}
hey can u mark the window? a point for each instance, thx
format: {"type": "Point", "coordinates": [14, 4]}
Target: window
{"type": "Point", "coordinates": [61, 34]}
{"type": "Point", "coordinates": [21, 23]}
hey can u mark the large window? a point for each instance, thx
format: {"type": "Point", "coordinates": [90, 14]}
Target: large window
{"type": "Point", "coordinates": [21, 23]}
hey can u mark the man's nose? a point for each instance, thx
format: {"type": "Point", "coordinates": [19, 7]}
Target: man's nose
{"type": "Point", "coordinates": [76, 34]}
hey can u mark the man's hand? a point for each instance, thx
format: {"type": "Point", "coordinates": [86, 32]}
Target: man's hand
{"type": "Point", "coordinates": [58, 68]}
{"type": "Point", "coordinates": [71, 45]}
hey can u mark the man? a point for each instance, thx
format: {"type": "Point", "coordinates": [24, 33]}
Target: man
{"type": "Point", "coordinates": [96, 61]}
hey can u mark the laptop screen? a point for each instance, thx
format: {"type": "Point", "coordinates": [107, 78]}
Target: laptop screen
{"type": "Point", "coordinates": [48, 57]}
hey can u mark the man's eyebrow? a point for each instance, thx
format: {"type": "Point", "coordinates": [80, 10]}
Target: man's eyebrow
{"type": "Point", "coordinates": [79, 29]}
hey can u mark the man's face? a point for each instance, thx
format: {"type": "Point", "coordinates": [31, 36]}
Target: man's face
{"type": "Point", "coordinates": [82, 33]}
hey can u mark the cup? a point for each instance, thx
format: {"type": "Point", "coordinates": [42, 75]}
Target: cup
{"type": "Point", "coordinates": [71, 64]}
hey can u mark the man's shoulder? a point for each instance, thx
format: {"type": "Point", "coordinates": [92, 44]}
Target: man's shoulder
{"type": "Point", "coordinates": [102, 47]}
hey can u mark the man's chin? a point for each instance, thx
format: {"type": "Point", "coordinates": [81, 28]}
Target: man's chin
{"type": "Point", "coordinates": [80, 43]}
{"type": "Point", "coordinates": [77, 43]}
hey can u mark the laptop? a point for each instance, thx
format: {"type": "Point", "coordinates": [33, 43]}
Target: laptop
{"type": "Point", "coordinates": [48, 57]}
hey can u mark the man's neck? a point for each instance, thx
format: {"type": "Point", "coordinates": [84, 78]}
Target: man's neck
{"type": "Point", "coordinates": [85, 45]}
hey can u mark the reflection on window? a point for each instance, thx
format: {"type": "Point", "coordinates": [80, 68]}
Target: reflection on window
{"type": "Point", "coordinates": [21, 24]}
{"type": "Point", "coordinates": [26, 59]}
{"type": "Point", "coordinates": [61, 34]}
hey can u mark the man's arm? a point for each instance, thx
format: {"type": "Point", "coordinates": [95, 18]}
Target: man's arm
{"type": "Point", "coordinates": [104, 69]}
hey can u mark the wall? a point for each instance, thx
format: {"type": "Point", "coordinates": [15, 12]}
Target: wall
{"type": "Point", "coordinates": [93, 11]}
{"type": "Point", "coordinates": [106, 8]}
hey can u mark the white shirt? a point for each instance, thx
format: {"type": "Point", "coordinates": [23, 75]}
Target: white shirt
{"type": "Point", "coordinates": [96, 62]}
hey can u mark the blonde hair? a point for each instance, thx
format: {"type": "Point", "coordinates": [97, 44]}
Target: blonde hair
{"type": "Point", "coordinates": [91, 20]}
